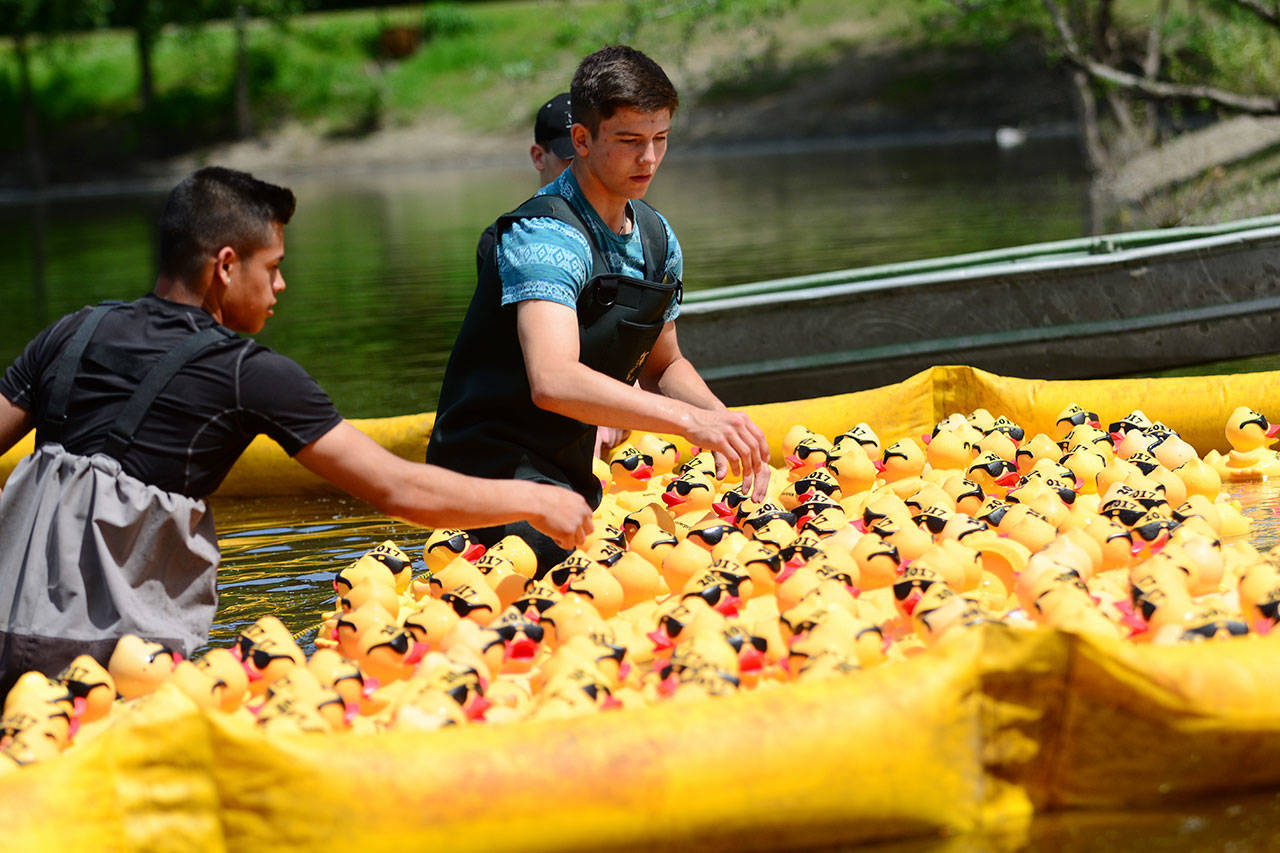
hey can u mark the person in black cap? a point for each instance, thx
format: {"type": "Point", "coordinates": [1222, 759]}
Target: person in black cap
{"type": "Point", "coordinates": [573, 318]}
{"type": "Point", "coordinates": [552, 148]}
{"type": "Point", "coordinates": [141, 408]}
{"type": "Point", "coordinates": [551, 153]}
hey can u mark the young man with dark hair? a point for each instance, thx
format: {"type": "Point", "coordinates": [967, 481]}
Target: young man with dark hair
{"type": "Point", "coordinates": [141, 408]}
{"type": "Point", "coordinates": [577, 300]}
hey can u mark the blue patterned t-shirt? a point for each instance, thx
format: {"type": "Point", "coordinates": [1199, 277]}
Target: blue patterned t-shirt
{"type": "Point", "coordinates": [544, 258]}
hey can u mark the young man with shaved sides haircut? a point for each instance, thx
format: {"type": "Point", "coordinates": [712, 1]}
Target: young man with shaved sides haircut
{"type": "Point", "coordinates": [577, 300]}
{"type": "Point", "coordinates": [141, 408]}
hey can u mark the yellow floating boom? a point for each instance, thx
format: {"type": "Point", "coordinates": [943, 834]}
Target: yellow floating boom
{"type": "Point", "coordinates": [974, 737]}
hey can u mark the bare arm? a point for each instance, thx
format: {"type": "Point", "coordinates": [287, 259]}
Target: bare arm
{"type": "Point", "coordinates": [15, 422]}
{"type": "Point", "coordinates": [431, 496]}
{"type": "Point", "coordinates": [562, 384]}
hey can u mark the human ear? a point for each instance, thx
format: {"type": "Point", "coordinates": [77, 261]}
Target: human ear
{"type": "Point", "coordinates": [580, 136]}
{"type": "Point", "coordinates": [538, 156]}
{"type": "Point", "coordinates": [225, 260]}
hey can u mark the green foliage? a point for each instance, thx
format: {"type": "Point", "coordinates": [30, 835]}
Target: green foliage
{"type": "Point", "coordinates": [446, 20]}
{"type": "Point", "coordinates": [991, 24]}
{"type": "Point", "coordinates": [478, 59]}
{"type": "Point", "coordinates": [1224, 46]}
{"type": "Point", "coordinates": [694, 14]}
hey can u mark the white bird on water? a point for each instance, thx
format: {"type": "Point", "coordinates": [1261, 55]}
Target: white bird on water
{"type": "Point", "coordinates": [1010, 137]}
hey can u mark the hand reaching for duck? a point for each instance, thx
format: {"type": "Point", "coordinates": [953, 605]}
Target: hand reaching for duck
{"type": "Point", "coordinates": [738, 445]}
{"type": "Point", "coordinates": [561, 514]}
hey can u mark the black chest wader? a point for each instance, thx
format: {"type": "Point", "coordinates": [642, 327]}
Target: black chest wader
{"type": "Point", "coordinates": [486, 423]}
{"type": "Point", "coordinates": [88, 552]}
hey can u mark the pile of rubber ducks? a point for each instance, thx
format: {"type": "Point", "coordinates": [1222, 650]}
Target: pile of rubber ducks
{"type": "Point", "coordinates": [861, 554]}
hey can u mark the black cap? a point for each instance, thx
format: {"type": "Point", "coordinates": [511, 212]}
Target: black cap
{"type": "Point", "coordinates": [551, 129]}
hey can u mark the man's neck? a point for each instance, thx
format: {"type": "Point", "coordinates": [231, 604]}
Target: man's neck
{"type": "Point", "coordinates": [611, 208]}
{"type": "Point", "coordinates": [176, 290]}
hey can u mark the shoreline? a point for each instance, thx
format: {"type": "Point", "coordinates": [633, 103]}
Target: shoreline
{"type": "Point", "coordinates": [344, 158]}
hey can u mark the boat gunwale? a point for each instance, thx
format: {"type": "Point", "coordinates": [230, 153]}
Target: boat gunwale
{"type": "Point", "coordinates": [973, 267]}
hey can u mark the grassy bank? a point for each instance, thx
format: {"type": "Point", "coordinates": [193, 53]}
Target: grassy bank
{"type": "Point", "coordinates": [484, 64]}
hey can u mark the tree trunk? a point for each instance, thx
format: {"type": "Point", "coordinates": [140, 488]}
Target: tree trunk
{"type": "Point", "coordinates": [1095, 150]}
{"type": "Point", "coordinates": [30, 118]}
{"type": "Point", "coordinates": [40, 260]}
{"type": "Point", "coordinates": [244, 111]}
{"type": "Point", "coordinates": [145, 38]}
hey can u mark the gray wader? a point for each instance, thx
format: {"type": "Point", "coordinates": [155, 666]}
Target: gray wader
{"type": "Point", "coordinates": [89, 553]}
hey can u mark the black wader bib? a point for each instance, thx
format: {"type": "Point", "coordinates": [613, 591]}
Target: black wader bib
{"type": "Point", "coordinates": [486, 423]}
{"type": "Point", "coordinates": [87, 551]}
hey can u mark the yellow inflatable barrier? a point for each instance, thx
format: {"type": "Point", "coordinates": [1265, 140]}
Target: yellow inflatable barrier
{"type": "Point", "coordinates": [1196, 406]}
{"type": "Point", "coordinates": [996, 724]}
{"type": "Point", "coordinates": [968, 739]}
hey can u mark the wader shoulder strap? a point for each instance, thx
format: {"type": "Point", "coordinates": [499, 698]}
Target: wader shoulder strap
{"type": "Point", "coordinates": [126, 425]}
{"type": "Point", "coordinates": [653, 238]}
{"type": "Point", "coordinates": [67, 367]}
{"type": "Point", "coordinates": [557, 207]}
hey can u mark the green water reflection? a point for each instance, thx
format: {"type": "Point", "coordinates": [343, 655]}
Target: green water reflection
{"type": "Point", "coordinates": [380, 266]}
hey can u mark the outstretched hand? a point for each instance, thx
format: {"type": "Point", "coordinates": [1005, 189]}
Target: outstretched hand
{"type": "Point", "coordinates": [562, 514]}
{"type": "Point", "coordinates": [738, 445]}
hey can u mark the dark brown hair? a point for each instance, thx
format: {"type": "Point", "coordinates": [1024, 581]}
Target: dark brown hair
{"type": "Point", "coordinates": [218, 207]}
{"type": "Point", "coordinates": [618, 77]}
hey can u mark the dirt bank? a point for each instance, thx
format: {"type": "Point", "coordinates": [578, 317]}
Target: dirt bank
{"type": "Point", "coordinates": [862, 94]}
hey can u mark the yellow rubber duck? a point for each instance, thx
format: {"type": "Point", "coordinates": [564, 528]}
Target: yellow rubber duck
{"type": "Point", "coordinates": [629, 470]}
{"type": "Point", "coordinates": [445, 545]}
{"type": "Point", "coordinates": [861, 436]}
{"type": "Point", "coordinates": [92, 688]}
{"type": "Point", "coordinates": [662, 453]}
{"type": "Point", "coordinates": [1073, 416]}
{"type": "Point", "coordinates": [139, 666]}
{"type": "Point", "coordinates": [1251, 457]}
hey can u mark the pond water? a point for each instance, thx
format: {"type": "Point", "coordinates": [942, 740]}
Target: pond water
{"type": "Point", "coordinates": [381, 266]}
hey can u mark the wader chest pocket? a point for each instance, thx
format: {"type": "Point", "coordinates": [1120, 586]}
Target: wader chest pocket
{"type": "Point", "coordinates": [619, 319]}
{"type": "Point", "coordinates": [624, 297]}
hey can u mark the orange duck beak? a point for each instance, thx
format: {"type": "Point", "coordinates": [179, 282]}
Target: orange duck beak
{"type": "Point", "coordinates": [473, 552]}
{"type": "Point", "coordinates": [1137, 625]}
{"type": "Point", "coordinates": [523, 649]}
{"type": "Point", "coordinates": [751, 660]}
{"type": "Point", "coordinates": [672, 500]}
{"type": "Point", "coordinates": [729, 605]}
{"type": "Point", "coordinates": [661, 639]}
{"type": "Point", "coordinates": [416, 653]}
{"type": "Point", "coordinates": [476, 707]}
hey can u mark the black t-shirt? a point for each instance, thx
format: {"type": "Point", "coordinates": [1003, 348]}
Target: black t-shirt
{"type": "Point", "coordinates": [200, 423]}
{"type": "Point", "coordinates": [488, 237]}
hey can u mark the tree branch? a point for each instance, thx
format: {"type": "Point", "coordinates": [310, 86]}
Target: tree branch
{"type": "Point", "coordinates": [1270, 14]}
{"type": "Point", "coordinates": [1252, 104]}
{"type": "Point", "coordinates": [1155, 38]}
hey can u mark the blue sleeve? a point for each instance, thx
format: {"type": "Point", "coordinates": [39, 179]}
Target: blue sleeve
{"type": "Point", "coordinates": [674, 268]}
{"type": "Point", "coordinates": [543, 258]}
